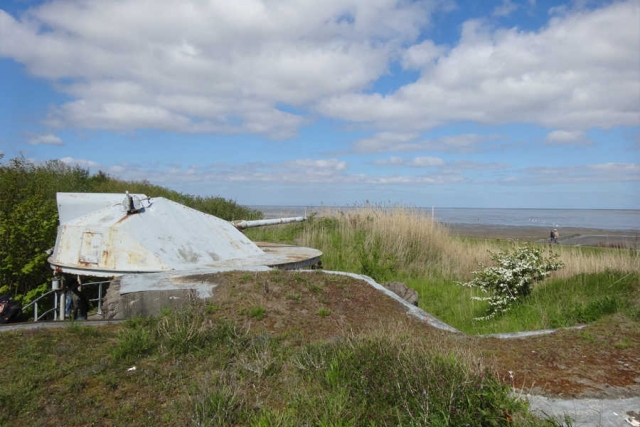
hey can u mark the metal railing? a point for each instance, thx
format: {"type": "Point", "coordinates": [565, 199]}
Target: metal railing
{"type": "Point", "coordinates": [100, 296]}
{"type": "Point", "coordinates": [59, 302]}
{"type": "Point", "coordinates": [34, 303]}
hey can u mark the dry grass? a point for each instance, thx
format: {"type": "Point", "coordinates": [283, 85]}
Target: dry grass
{"type": "Point", "coordinates": [595, 260]}
{"type": "Point", "coordinates": [418, 246]}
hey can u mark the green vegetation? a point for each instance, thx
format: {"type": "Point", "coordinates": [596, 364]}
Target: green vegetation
{"type": "Point", "coordinates": [578, 300]}
{"type": "Point", "coordinates": [401, 244]}
{"type": "Point", "coordinates": [190, 367]}
{"type": "Point", "coordinates": [323, 312]}
{"type": "Point", "coordinates": [512, 279]}
{"type": "Point", "coordinates": [29, 217]}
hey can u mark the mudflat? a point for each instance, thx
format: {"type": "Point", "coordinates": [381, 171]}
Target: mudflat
{"type": "Point", "coordinates": [568, 235]}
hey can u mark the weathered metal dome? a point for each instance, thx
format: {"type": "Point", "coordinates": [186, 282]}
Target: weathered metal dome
{"type": "Point", "coordinates": [113, 234]}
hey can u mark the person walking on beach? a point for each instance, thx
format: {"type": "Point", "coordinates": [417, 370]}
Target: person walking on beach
{"type": "Point", "coordinates": [554, 236]}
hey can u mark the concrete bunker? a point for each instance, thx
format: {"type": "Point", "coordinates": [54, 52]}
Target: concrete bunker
{"type": "Point", "coordinates": [149, 247]}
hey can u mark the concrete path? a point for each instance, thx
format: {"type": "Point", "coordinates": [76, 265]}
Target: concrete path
{"type": "Point", "coordinates": [44, 325]}
{"type": "Point", "coordinates": [588, 412]}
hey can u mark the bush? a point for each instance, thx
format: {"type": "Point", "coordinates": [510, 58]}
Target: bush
{"type": "Point", "coordinates": [513, 278]}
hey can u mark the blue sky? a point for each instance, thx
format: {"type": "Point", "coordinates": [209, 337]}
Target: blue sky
{"type": "Point", "coordinates": [511, 103]}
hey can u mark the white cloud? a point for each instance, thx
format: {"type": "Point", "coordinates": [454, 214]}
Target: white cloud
{"type": "Point", "coordinates": [421, 55]}
{"type": "Point", "coordinates": [602, 172]}
{"type": "Point", "coordinates": [407, 142]}
{"type": "Point", "coordinates": [468, 165]}
{"type": "Point", "coordinates": [317, 166]}
{"type": "Point", "coordinates": [418, 162]}
{"type": "Point", "coordinates": [386, 141]}
{"type": "Point", "coordinates": [579, 72]}
{"type": "Point", "coordinates": [324, 172]}
{"type": "Point", "coordinates": [505, 9]}
{"type": "Point", "coordinates": [215, 66]}
{"type": "Point", "coordinates": [47, 139]}
{"type": "Point", "coordinates": [560, 137]}
{"type": "Point", "coordinates": [416, 180]}
{"type": "Point", "coordinates": [617, 168]}
{"type": "Point", "coordinates": [426, 161]}
{"type": "Point", "coordinates": [83, 163]}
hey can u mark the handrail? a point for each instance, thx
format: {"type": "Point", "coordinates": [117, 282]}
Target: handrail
{"type": "Point", "coordinates": [34, 303]}
{"type": "Point", "coordinates": [99, 299]}
{"type": "Point", "coordinates": [58, 292]}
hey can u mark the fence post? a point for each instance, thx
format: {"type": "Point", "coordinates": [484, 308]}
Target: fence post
{"type": "Point", "coordinates": [100, 298]}
{"type": "Point", "coordinates": [62, 305]}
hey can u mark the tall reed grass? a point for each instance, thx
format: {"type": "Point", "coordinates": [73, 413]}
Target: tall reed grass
{"type": "Point", "coordinates": [408, 242]}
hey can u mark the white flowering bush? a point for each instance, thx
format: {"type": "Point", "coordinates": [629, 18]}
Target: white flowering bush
{"type": "Point", "coordinates": [512, 278]}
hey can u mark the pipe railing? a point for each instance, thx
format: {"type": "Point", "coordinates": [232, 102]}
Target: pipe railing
{"type": "Point", "coordinates": [99, 299]}
{"type": "Point", "coordinates": [34, 303]}
{"type": "Point", "coordinates": [59, 300]}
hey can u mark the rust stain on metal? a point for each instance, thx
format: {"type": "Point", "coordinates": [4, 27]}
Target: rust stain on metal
{"type": "Point", "coordinates": [121, 220]}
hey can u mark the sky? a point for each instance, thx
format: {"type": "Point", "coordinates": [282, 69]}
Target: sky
{"type": "Point", "coordinates": [443, 103]}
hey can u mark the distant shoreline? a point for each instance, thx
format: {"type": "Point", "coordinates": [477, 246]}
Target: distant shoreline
{"type": "Point", "coordinates": [568, 235]}
{"type": "Point", "coordinates": [607, 222]}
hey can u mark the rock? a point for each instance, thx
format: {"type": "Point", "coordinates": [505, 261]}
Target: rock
{"type": "Point", "coordinates": [403, 291]}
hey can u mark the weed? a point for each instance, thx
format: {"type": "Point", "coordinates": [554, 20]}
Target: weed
{"type": "Point", "coordinates": [186, 330]}
{"type": "Point", "coordinates": [211, 308]}
{"type": "Point", "coordinates": [622, 344]}
{"type": "Point", "coordinates": [294, 296]}
{"type": "Point", "coordinates": [257, 312]}
{"type": "Point", "coordinates": [300, 278]}
{"type": "Point", "coordinates": [323, 312]}
{"type": "Point", "coordinates": [218, 403]}
{"type": "Point", "coordinates": [135, 340]}
{"type": "Point", "coordinates": [79, 328]}
{"type": "Point", "coordinates": [316, 289]}
{"type": "Point", "coordinates": [587, 336]}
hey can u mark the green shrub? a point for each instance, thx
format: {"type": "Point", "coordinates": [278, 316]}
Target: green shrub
{"type": "Point", "coordinates": [511, 280]}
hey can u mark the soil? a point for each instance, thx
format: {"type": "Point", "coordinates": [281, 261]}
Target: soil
{"type": "Point", "coordinates": [601, 360]}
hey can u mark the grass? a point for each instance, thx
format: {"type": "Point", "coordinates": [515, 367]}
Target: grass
{"type": "Point", "coordinates": [401, 244]}
{"type": "Point", "coordinates": [363, 363]}
{"type": "Point", "coordinates": [195, 367]}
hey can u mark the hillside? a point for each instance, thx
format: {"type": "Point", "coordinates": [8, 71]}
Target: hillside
{"type": "Point", "coordinates": [79, 373]}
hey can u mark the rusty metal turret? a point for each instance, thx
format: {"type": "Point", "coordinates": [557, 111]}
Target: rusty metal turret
{"type": "Point", "coordinates": [106, 235]}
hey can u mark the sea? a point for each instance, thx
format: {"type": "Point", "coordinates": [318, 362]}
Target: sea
{"type": "Point", "coordinates": [602, 219]}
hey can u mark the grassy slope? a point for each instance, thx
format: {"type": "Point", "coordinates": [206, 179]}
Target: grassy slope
{"type": "Point", "coordinates": [291, 349]}
{"type": "Point", "coordinates": [273, 349]}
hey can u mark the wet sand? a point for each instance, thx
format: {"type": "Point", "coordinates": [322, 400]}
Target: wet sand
{"type": "Point", "coordinates": [568, 235]}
